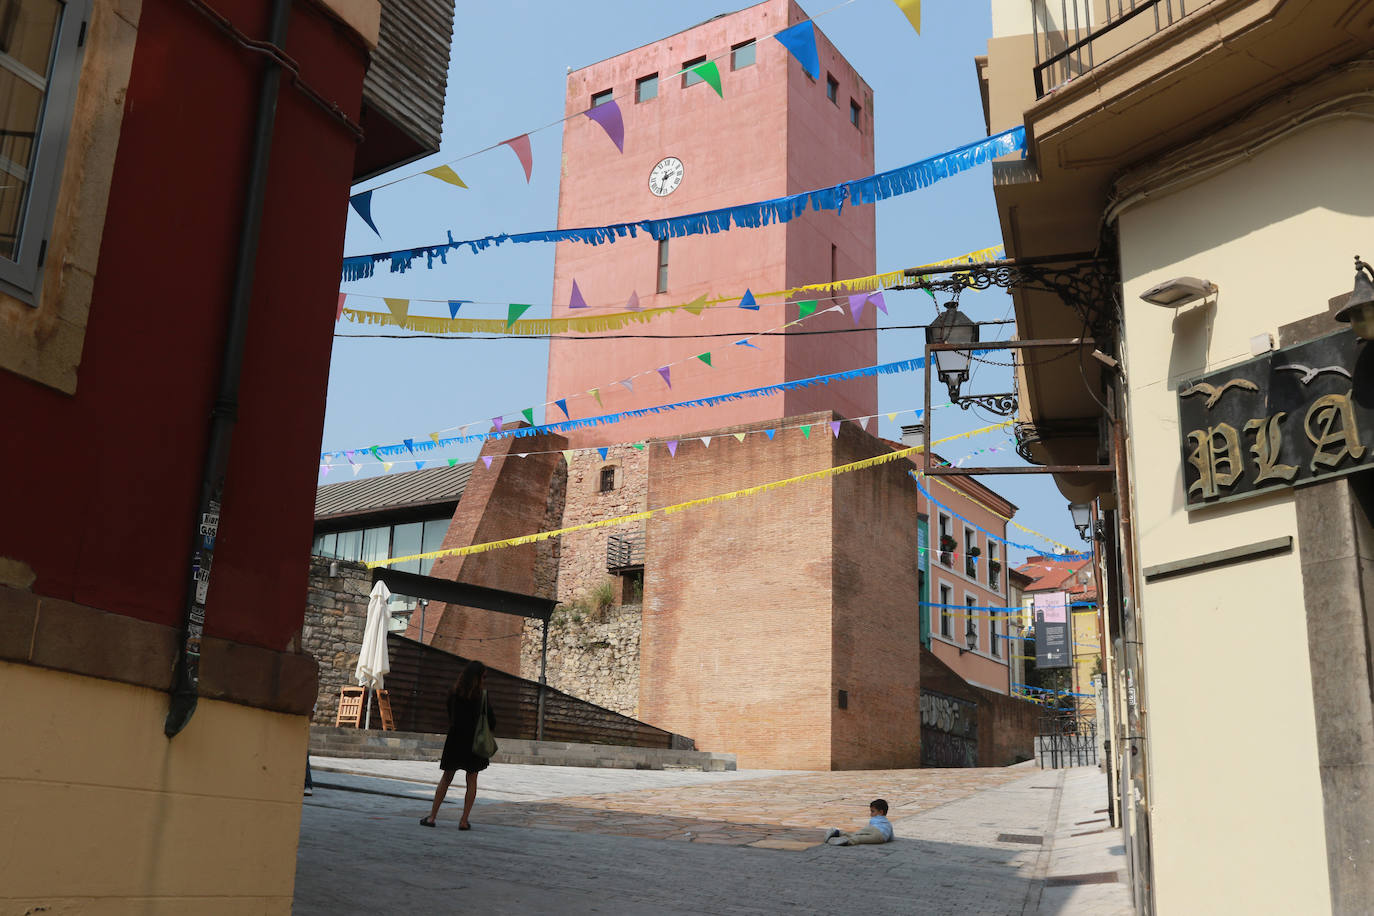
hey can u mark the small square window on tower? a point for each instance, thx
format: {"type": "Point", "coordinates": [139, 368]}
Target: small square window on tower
{"type": "Point", "coordinates": [854, 112]}
{"type": "Point", "coordinates": [607, 479]}
{"type": "Point", "coordinates": [646, 87]}
{"type": "Point", "coordinates": [832, 89]}
{"type": "Point", "coordinates": [742, 55]}
{"type": "Point", "coordinates": [689, 78]}
{"type": "Point", "coordinates": [601, 98]}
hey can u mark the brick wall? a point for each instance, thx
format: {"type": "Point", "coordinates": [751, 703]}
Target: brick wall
{"type": "Point", "coordinates": [1006, 725]}
{"type": "Point", "coordinates": [335, 613]}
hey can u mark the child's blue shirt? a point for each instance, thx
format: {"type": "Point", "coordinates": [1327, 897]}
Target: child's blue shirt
{"type": "Point", "coordinates": [882, 824]}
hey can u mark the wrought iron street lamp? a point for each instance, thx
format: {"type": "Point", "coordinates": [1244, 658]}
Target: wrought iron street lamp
{"type": "Point", "coordinates": [1358, 310]}
{"type": "Point", "coordinates": [952, 327]}
{"type": "Point", "coordinates": [1082, 515]}
{"type": "Point", "coordinates": [970, 637]}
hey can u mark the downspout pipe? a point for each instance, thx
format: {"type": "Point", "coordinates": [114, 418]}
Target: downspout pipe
{"type": "Point", "coordinates": [224, 412]}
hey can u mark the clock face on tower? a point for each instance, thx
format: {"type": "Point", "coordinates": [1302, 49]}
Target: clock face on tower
{"type": "Point", "coordinates": [665, 177]}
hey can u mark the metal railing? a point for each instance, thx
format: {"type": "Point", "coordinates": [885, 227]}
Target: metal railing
{"type": "Point", "coordinates": [1066, 741]}
{"type": "Point", "coordinates": [1073, 36]}
{"type": "Point", "coordinates": [624, 552]}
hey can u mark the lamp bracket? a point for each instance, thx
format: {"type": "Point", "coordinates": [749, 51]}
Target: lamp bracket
{"type": "Point", "coordinates": [1003, 404]}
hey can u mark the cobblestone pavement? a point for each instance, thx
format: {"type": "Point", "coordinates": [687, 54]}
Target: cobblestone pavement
{"type": "Point", "coordinates": [685, 842]}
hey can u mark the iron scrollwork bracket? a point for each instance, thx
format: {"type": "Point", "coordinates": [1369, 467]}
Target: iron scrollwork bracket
{"type": "Point", "coordinates": [1004, 404]}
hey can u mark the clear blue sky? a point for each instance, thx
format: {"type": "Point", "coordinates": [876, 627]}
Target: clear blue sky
{"type": "Point", "coordinates": [507, 77]}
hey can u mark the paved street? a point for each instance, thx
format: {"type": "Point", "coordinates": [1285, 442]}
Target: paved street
{"type": "Point", "coordinates": [574, 840]}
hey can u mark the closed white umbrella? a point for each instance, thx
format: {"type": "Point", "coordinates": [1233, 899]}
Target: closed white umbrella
{"type": "Point", "coordinates": [373, 663]}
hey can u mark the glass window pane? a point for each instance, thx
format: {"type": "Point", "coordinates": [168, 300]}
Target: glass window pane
{"type": "Point", "coordinates": [742, 55]}
{"type": "Point", "coordinates": [689, 78]}
{"type": "Point", "coordinates": [406, 540]}
{"type": "Point", "coordinates": [433, 540]}
{"type": "Point", "coordinates": [350, 546]}
{"type": "Point", "coordinates": [327, 544]}
{"type": "Point", "coordinates": [646, 88]}
{"type": "Point", "coordinates": [22, 108]}
{"type": "Point", "coordinates": [316, 544]}
{"type": "Point", "coordinates": [27, 32]}
{"type": "Point", "coordinates": [376, 544]}
{"type": "Point", "coordinates": [601, 98]}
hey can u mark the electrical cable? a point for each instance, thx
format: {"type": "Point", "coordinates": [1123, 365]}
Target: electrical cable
{"type": "Point", "coordinates": [898, 327]}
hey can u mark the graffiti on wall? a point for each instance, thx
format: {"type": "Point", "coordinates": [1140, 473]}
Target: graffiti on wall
{"type": "Point", "coordinates": [949, 731]}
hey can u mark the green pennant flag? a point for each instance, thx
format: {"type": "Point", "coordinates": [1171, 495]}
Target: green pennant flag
{"type": "Point", "coordinates": [806, 430]}
{"type": "Point", "coordinates": [806, 308]}
{"type": "Point", "coordinates": [516, 310]}
{"type": "Point", "coordinates": [705, 358]}
{"type": "Point", "coordinates": [710, 74]}
{"type": "Point", "coordinates": [528, 414]}
{"type": "Point", "coordinates": [452, 462]}
{"type": "Point", "coordinates": [639, 446]}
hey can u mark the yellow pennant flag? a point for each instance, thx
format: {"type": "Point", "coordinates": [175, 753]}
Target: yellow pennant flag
{"type": "Point", "coordinates": [435, 437]}
{"type": "Point", "coordinates": [399, 309]}
{"type": "Point", "coordinates": [567, 456]}
{"type": "Point", "coordinates": [444, 173]}
{"type": "Point", "coordinates": [739, 436]}
{"type": "Point", "coordinates": [696, 305]}
{"type": "Point", "coordinates": [912, 10]}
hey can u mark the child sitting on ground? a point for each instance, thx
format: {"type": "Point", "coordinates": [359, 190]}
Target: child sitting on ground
{"type": "Point", "coordinates": [878, 830]}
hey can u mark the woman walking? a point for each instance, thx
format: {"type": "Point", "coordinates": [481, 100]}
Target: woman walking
{"type": "Point", "coordinates": [466, 704]}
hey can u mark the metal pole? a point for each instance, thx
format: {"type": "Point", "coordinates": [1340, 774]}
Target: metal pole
{"type": "Point", "coordinates": [543, 680]}
{"type": "Point", "coordinates": [925, 420]}
{"type": "Point", "coordinates": [367, 708]}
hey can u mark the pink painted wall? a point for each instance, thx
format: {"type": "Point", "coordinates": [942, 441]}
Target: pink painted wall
{"type": "Point", "coordinates": [772, 134]}
{"type": "Point", "coordinates": [979, 667]}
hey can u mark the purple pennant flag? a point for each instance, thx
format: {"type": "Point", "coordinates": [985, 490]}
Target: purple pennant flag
{"type": "Point", "coordinates": [835, 428]}
{"type": "Point", "coordinates": [633, 304]}
{"type": "Point", "coordinates": [856, 305]}
{"type": "Point", "coordinates": [748, 301]}
{"type": "Point", "coordinates": [672, 447]}
{"type": "Point", "coordinates": [607, 114]}
{"type": "Point", "coordinates": [486, 459]}
{"type": "Point", "coordinates": [496, 421]}
{"type": "Point", "coordinates": [629, 384]}
{"type": "Point", "coordinates": [877, 299]}
{"type": "Point", "coordinates": [577, 302]}
{"type": "Point", "coordinates": [667, 376]}
{"type": "Point", "coordinates": [324, 470]}
{"type": "Point", "coordinates": [563, 406]}
{"type": "Point", "coordinates": [349, 455]}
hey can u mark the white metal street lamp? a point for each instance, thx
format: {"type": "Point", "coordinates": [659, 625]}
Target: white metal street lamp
{"type": "Point", "coordinates": [952, 327]}
{"type": "Point", "coordinates": [1082, 515]}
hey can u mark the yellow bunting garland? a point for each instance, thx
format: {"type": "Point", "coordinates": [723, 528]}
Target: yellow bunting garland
{"type": "Point", "coordinates": [1065, 547]}
{"type": "Point", "coordinates": [682, 507]}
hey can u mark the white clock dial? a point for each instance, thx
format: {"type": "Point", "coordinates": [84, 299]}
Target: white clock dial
{"type": "Point", "coordinates": [665, 177]}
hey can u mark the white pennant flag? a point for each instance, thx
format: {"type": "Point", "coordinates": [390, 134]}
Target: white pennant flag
{"type": "Point", "coordinates": [629, 384]}
{"type": "Point", "coordinates": [706, 441]}
{"type": "Point", "coordinates": [567, 456]}
{"type": "Point", "coordinates": [356, 469]}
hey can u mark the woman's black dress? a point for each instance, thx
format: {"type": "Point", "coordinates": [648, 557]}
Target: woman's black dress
{"type": "Point", "coordinates": [462, 719]}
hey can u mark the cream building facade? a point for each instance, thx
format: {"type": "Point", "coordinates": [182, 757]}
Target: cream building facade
{"type": "Point", "coordinates": [1230, 142]}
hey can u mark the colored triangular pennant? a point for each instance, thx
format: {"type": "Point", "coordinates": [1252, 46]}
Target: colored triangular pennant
{"type": "Point", "coordinates": [696, 305]}
{"type": "Point", "coordinates": [672, 447]}
{"type": "Point", "coordinates": [607, 114]}
{"type": "Point", "coordinates": [892, 418]}
{"type": "Point", "coordinates": [911, 9]}
{"type": "Point", "coordinates": [410, 445]}
{"type": "Point", "coordinates": [835, 428]}
{"type": "Point", "coordinates": [324, 470]}
{"type": "Point", "coordinates": [739, 436]}
{"type": "Point", "coordinates": [575, 301]}
{"type": "Point", "coordinates": [528, 414]}
{"type": "Point", "coordinates": [856, 305]}
{"type": "Point", "coordinates": [515, 311]}
{"type": "Point", "coordinates": [800, 39]}
{"type": "Point", "coordinates": [386, 466]}
{"type": "Point", "coordinates": [705, 358]}
{"type": "Point", "coordinates": [338, 313]}
{"type": "Point", "coordinates": [435, 437]}
{"type": "Point", "coordinates": [356, 469]}
{"type": "Point", "coordinates": [877, 299]}
{"type": "Point", "coordinates": [373, 450]}
{"type": "Point", "coordinates": [633, 304]}
{"type": "Point", "coordinates": [667, 375]}
{"type": "Point", "coordinates": [521, 147]}
{"type": "Point", "coordinates": [399, 309]}
{"type": "Point", "coordinates": [629, 384]}
{"type": "Point", "coordinates": [562, 405]}
{"type": "Point", "coordinates": [486, 459]}
{"type": "Point", "coordinates": [771, 433]}
{"type": "Point", "coordinates": [419, 464]}
{"type": "Point", "coordinates": [748, 301]}
{"type": "Point", "coordinates": [523, 454]}
{"type": "Point", "coordinates": [596, 393]}
{"type": "Point", "coordinates": [710, 74]}
{"type": "Point", "coordinates": [444, 173]}
{"type": "Point", "coordinates": [603, 452]}
{"type": "Point", "coordinates": [567, 455]}
{"type": "Point", "coordinates": [454, 305]}
{"type": "Point", "coordinates": [497, 421]}
{"type": "Point", "coordinates": [362, 205]}
{"type": "Point", "coordinates": [452, 462]}
{"type": "Point", "coordinates": [806, 430]}
{"type": "Point", "coordinates": [806, 308]}
{"type": "Point", "coordinates": [349, 455]}
{"type": "Point", "coordinates": [706, 441]}
{"type": "Point", "coordinates": [637, 446]}
{"type": "Point", "coordinates": [745, 343]}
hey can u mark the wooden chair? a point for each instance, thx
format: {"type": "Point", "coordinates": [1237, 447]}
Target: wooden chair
{"type": "Point", "coordinates": [351, 707]}
{"type": "Point", "coordinates": [384, 707]}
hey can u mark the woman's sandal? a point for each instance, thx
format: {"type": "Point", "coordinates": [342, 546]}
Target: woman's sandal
{"type": "Point", "coordinates": [426, 822]}
{"type": "Point", "coordinates": [464, 826]}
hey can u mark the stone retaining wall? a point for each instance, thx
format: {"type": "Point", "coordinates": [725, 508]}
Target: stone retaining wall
{"type": "Point", "coordinates": [593, 656]}
{"type": "Point", "coordinates": [335, 613]}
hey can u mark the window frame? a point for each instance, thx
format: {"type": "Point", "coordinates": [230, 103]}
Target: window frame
{"type": "Point", "coordinates": [972, 620]}
{"type": "Point", "coordinates": [605, 95]}
{"type": "Point", "coordinates": [856, 114]}
{"type": "Point", "coordinates": [687, 74]}
{"type": "Point", "coordinates": [22, 276]}
{"type": "Point", "coordinates": [607, 473]}
{"type": "Point", "coordinates": [946, 598]}
{"type": "Point", "coordinates": [661, 284]}
{"type": "Point", "coordinates": [752, 45]}
{"type": "Point", "coordinates": [832, 89]}
{"type": "Point", "coordinates": [641, 83]}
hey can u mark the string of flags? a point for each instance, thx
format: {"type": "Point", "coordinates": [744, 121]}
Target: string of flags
{"type": "Point", "coordinates": [825, 473]}
{"type": "Point", "coordinates": [398, 308]}
{"type": "Point", "coordinates": [879, 186]}
{"type": "Point", "coordinates": [1070, 555]}
{"type": "Point", "coordinates": [798, 39]}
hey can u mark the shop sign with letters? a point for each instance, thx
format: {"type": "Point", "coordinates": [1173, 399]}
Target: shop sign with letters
{"type": "Point", "coordinates": [1291, 417]}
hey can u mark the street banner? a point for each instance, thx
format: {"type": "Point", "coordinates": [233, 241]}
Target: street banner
{"type": "Point", "coordinates": [1052, 630]}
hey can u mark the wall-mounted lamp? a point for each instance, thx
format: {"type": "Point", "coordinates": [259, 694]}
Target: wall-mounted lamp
{"type": "Point", "coordinates": [1178, 292]}
{"type": "Point", "coordinates": [952, 326]}
{"type": "Point", "coordinates": [1358, 310]}
{"type": "Point", "coordinates": [1082, 515]}
{"type": "Point", "coordinates": [970, 638]}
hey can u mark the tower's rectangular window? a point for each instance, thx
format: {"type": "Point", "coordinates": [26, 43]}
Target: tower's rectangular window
{"type": "Point", "coordinates": [832, 89]}
{"type": "Point", "coordinates": [946, 599]}
{"type": "Point", "coordinates": [607, 479]}
{"type": "Point", "coordinates": [689, 78]}
{"type": "Point", "coordinates": [854, 111]}
{"type": "Point", "coordinates": [40, 60]}
{"type": "Point", "coordinates": [646, 87]}
{"type": "Point", "coordinates": [742, 55]}
{"type": "Point", "coordinates": [834, 263]}
{"type": "Point", "coordinates": [601, 98]}
{"type": "Point", "coordinates": [662, 265]}
{"type": "Point", "coordinates": [971, 624]}
{"type": "Point", "coordinates": [994, 643]}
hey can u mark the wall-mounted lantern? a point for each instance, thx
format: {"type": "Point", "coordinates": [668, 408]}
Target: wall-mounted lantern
{"type": "Point", "coordinates": [1358, 310]}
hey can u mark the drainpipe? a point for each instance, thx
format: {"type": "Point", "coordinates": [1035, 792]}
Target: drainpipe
{"type": "Point", "coordinates": [224, 413]}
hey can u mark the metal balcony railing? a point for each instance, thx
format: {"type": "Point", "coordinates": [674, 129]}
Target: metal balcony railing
{"type": "Point", "coordinates": [624, 552]}
{"type": "Point", "coordinates": [1073, 36]}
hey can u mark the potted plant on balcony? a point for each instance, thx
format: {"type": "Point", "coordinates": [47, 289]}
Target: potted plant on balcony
{"type": "Point", "coordinates": [947, 547]}
{"type": "Point", "coordinates": [971, 561]}
{"type": "Point", "coordinates": [994, 572]}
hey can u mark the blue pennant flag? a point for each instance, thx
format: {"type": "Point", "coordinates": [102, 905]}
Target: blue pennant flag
{"type": "Point", "coordinates": [745, 343]}
{"type": "Point", "coordinates": [800, 39]}
{"type": "Point", "coordinates": [602, 452]}
{"type": "Point", "coordinates": [771, 433]}
{"type": "Point", "coordinates": [748, 301]}
{"type": "Point", "coordinates": [454, 305]}
{"type": "Point", "coordinates": [410, 445]}
{"type": "Point", "coordinates": [362, 204]}
{"type": "Point", "coordinates": [563, 406]}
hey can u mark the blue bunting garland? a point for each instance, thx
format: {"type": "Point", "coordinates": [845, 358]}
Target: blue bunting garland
{"type": "Point", "coordinates": [1027, 547]}
{"type": "Point", "coordinates": [868, 190]}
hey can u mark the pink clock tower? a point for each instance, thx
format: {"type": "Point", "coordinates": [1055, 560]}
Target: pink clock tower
{"type": "Point", "coordinates": [775, 132]}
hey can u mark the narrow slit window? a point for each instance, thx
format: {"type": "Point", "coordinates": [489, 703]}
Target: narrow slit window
{"type": "Point", "coordinates": [832, 89]}
{"type": "Point", "coordinates": [854, 111]}
{"type": "Point", "coordinates": [662, 265]}
{"type": "Point", "coordinates": [646, 87]}
{"type": "Point", "coordinates": [601, 98]}
{"type": "Point", "coordinates": [689, 78]}
{"type": "Point", "coordinates": [742, 55]}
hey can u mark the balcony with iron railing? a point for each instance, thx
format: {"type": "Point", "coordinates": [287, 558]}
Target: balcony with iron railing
{"type": "Point", "coordinates": [624, 553]}
{"type": "Point", "coordinates": [1072, 37]}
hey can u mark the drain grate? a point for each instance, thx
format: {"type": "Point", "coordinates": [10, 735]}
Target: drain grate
{"type": "Point", "coordinates": [1100, 877]}
{"type": "Point", "coordinates": [1020, 838]}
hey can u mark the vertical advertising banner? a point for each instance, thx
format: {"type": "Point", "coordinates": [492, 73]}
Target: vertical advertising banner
{"type": "Point", "coordinates": [1052, 630]}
